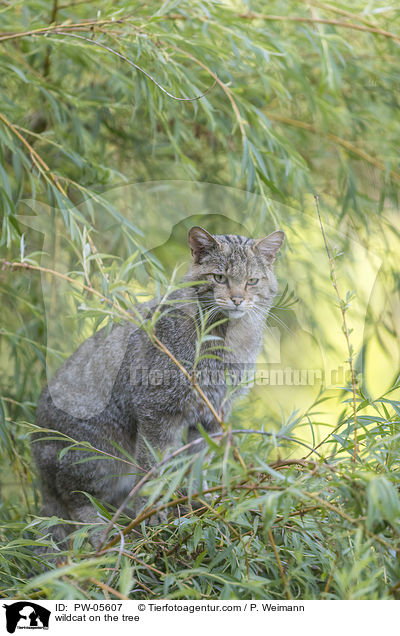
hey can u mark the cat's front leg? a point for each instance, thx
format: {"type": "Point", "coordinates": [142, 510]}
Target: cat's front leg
{"type": "Point", "coordinates": [156, 441]}
{"type": "Point", "coordinates": [211, 426]}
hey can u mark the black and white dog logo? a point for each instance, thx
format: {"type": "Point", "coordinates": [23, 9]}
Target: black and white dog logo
{"type": "Point", "coordinates": [26, 615]}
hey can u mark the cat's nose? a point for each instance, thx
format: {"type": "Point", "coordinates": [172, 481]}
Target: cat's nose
{"type": "Point", "coordinates": [237, 300]}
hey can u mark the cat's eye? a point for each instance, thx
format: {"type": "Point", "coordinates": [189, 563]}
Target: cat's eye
{"type": "Point", "coordinates": [253, 281]}
{"type": "Point", "coordinates": [219, 278]}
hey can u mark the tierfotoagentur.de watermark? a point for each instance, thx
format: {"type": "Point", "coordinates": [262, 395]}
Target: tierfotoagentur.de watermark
{"type": "Point", "coordinates": [287, 376]}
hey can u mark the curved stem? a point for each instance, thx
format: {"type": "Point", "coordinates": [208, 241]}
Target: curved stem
{"type": "Point", "coordinates": [343, 309]}
{"type": "Point", "coordinates": [138, 68]}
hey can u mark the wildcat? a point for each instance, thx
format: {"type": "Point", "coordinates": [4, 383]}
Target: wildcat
{"type": "Point", "coordinates": [119, 388]}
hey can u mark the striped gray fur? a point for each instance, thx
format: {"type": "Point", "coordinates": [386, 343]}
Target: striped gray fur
{"type": "Point", "coordinates": [119, 389]}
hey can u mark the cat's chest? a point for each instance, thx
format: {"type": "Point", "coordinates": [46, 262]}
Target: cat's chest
{"type": "Point", "coordinates": [242, 343]}
{"type": "Point", "coordinates": [237, 351]}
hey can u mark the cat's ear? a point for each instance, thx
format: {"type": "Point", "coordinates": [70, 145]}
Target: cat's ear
{"type": "Point", "coordinates": [200, 242]}
{"type": "Point", "coordinates": [270, 245]}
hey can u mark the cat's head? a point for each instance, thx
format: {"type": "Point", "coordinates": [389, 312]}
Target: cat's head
{"type": "Point", "coordinates": [238, 271]}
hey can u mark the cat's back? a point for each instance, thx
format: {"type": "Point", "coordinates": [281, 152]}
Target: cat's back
{"type": "Point", "coordinates": [82, 387]}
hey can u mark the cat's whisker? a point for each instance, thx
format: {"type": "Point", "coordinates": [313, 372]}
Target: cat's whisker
{"type": "Point", "coordinates": [263, 315]}
{"type": "Point", "coordinates": [268, 328]}
{"type": "Point", "coordinates": [279, 321]}
{"type": "Point", "coordinates": [260, 311]}
{"type": "Point", "coordinates": [281, 308]}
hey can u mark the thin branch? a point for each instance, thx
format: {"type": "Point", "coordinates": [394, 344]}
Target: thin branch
{"type": "Point", "coordinates": [369, 26]}
{"type": "Point", "coordinates": [343, 309]}
{"type": "Point", "coordinates": [46, 270]}
{"type": "Point", "coordinates": [51, 142]}
{"type": "Point", "coordinates": [149, 512]}
{"type": "Point", "coordinates": [330, 577]}
{"type": "Point", "coordinates": [220, 83]}
{"type": "Point", "coordinates": [344, 515]}
{"type": "Point", "coordinates": [138, 68]}
{"type": "Point", "coordinates": [339, 23]}
{"type": "Point", "coordinates": [54, 11]}
{"type": "Point", "coordinates": [296, 513]}
{"type": "Point", "coordinates": [190, 377]}
{"type": "Point", "coordinates": [79, 26]}
{"type": "Point", "coordinates": [145, 514]}
{"type": "Point", "coordinates": [136, 488]}
{"type": "Point", "coordinates": [109, 589]}
{"type": "Point", "coordinates": [279, 562]}
{"type": "Point", "coordinates": [173, 16]}
{"type": "Point", "coordinates": [322, 442]}
{"type": "Point", "coordinates": [143, 563]}
{"type": "Point", "coordinates": [53, 18]}
{"type": "Point", "coordinates": [342, 142]}
{"type": "Point", "coordinates": [39, 162]}
{"type": "Point", "coordinates": [126, 315]}
{"type": "Point", "coordinates": [220, 517]}
{"type": "Point", "coordinates": [347, 14]}
{"type": "Point", "coordinates": [228, 93]}
{"type": "Point", "coordinates": [55, 30]}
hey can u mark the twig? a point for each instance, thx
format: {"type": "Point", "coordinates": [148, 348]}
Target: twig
{"type": "Point", "coordinates": [107, 588]}
{"type": "Point", "coordinates": [339, 23]}
{"type": "Point", "coordinates": [330, 577]}
{"type": "Point", "coordinates": [369, 26]}
{"type": "Point", "coordinates": [342, 142]}
{"type": "Point", "coordinates": [322, 442]}
{"type": "Point", "coordinates": [126, 315]}
{"type": "Point", "coordinates": [85, 25]}
{"type": "Point", "coordinates": [347, 14]}
{"type": "Point", "coordinates": [143, 563]}
{"type": "Point", "coordinates": [79, 26]}
{"type": "Point", "coordinates": [146, 514]}
{"type": "Point", "coordinates": [42, 165]}
{"type": "Point", "coordinates": [139, 485]}
{"type": "Point", "coordinates": [297, 513]}
{"type": "Point", "coordinates": [221, 84]}
{"type": "Point", "coordinates": [220, 517]}
{"type": "Point", "coordinates": [53, 18]}
{"type": "Point", "coordinates": [51, 142]}
{"type": "Point", "coordinates": [343, 309]}
{"type": "Point", "coordinates": [136, 66]}
{"type": "Point", "coordinates": [149, 512]}
{"type": "Point", "coordinates": [54, 11]}
{"type": "Point", "coordinates": [344, 515]}
{"type": "Point", "coordinates": [279, 562]}
{"type": "Point", "coordinates": [394, 588]}
{"type": "Point", "coordinates": [197, 388]}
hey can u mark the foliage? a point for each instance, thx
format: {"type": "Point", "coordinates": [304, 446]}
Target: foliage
{"type": "Point", "coordinates": [260, 528]}
{"type": "Point", "coordinates": [298, 100]}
